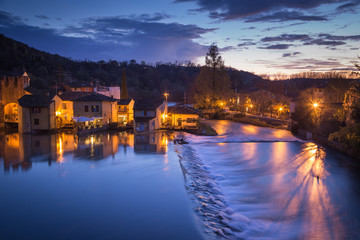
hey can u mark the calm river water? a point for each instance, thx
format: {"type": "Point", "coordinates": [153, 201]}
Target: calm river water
{"type": "Point", "coordinates": [246, 183]}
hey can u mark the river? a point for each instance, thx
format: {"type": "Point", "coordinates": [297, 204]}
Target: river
{"type": "Point", "coordinates": [246, 183]}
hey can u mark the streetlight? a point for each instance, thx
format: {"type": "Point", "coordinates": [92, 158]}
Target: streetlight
{"type": "Point", "coordinates": [166, 94]}
{"type": "Point", "coordinates": [315, 105]}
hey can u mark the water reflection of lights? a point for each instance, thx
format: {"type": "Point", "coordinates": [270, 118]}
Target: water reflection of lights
{"type": "Point", "coordinates": [59, 148]}
{"type": "Point", "coordinates": [311, 193]}
{"type": "Point", "coordinates": [250, 129]}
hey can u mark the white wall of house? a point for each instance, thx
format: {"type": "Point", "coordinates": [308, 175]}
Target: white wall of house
{"type": "Point", "coordinates": [109, 91]}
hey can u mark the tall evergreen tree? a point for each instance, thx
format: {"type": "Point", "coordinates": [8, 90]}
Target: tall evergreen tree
{"type": "Point", "coordinates": [214, 61]}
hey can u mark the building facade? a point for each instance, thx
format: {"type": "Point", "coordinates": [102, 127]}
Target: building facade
{"type": "Point", "coordinates": [149, 115]}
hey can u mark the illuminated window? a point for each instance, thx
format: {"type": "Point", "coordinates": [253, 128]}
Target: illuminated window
{"type": "Point", "coordinates": [95, 108]}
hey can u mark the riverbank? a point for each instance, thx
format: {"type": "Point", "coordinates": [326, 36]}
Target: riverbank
{"type": "Point", "coordinates": [259, 121]}
{"type": "Point", "coordinates": [282, 124]}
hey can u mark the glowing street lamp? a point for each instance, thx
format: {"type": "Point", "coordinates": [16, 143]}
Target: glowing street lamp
{"type": "Point", "coordinates": [166, 94]}
{"type": "Point", "coordinates": [315, 105]}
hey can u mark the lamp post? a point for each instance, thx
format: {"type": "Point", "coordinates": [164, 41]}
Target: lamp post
{"type": "Point", "coordinates": [166, 94]}
{"type": "Point", "coordinates": [316, 110]}
{"type": "Point", "coordinates": [280, 109]}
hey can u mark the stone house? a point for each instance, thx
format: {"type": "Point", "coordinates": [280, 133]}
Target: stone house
{"type": "Point", "coordinates": [90, 105]}
{"type": "Point", "coordinates": [149, 115]}
{"type": "Point", "coordinates": [36, 113]}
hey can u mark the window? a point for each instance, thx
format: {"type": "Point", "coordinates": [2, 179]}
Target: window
{"type": "Point", "coordinates": [86, 108]}
{"type": "Point", "coordinates": [119, 108]}
{"type": "Point", "coordinates": [145, 113]}
{"type": "Point", "coordinates": [190, 120]}
{"type": "Point", "coordinates": [36, 110]}
{"type": "Point", "coordinates": [95, 108]}
{"type": "Point", "coordinates": [63, 105]}
{"type": "Point", "coordinates": [124, 108]}
{"type": "Point", "coordinates": [36, 121]}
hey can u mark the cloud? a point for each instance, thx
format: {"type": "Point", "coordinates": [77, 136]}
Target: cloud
{"type": "Point", "coordinates": [287, 37]}
{"type": "Point", "coordinates": [277, 46]}
{"type": "Point", "coordinates": [42, 17]}
{"type": "Point", "coordinates": [323, 39]}
{"type": "Point", "coordinates": [112, 38]}
{"type": "Point", "coordinates": [245, 44]}
{"type": "Point", "coordinates": [339, 37]}
{"type": "Point", "coordinates": [227, 48]}
{"type": "Point", "coordinates": [290, 54]}
{"type": "Point", "coordinates": [348, 6]}
{"type": "Point", "coordinates": [151, 17]}
{"type": "Point", "coordinates": [233, 9]}
{"type": "Point", "coordinates": [303, 64]}
{"type": "Point", "coordinates": [325, 42]}
{"type": "Point", "coordinates": [285, 16]}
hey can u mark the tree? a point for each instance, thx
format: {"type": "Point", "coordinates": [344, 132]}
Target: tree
{"type": "Point", "coordinates": [214, 61]}
{"type": "Point", "coordinates": [213, 83]}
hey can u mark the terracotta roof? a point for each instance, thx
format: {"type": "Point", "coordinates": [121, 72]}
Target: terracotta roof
{"type": "Point", "coordinates": [34, 101]}
{"type": "Point", "coordinates": [183, 110]}
{"type": "Point", "coordinates": [148, 104]}
{"type": "Point", "coordinates": [124, 101]}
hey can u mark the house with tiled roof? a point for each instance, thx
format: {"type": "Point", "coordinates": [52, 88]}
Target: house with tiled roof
{"type": "Point", "coordinates": [98, 108]}
{"type": "Point", "coordinates": [149, 115]}
{"type": "Point", "coordinates": [183, 117]}
{"type": "Point", "coordinates": [36, 113]}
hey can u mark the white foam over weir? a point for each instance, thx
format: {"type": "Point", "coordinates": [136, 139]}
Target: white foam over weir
{"type": "Point", "coordinates": [231, 132]}
{"type": "Point", "coordinates": [260, 183]}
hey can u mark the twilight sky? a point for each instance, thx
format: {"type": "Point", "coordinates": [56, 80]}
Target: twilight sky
{"type": "Point", "coordinates": [261, 36]}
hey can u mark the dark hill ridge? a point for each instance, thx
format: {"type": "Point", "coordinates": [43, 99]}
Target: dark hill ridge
{"type": "Point", "coordinates": [143, 80]}
{"type": "Point", "coordinates": [46, 69]}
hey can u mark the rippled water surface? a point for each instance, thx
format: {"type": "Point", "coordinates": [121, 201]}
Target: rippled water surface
{"type": "Point", "coordinates": [251, 182]}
